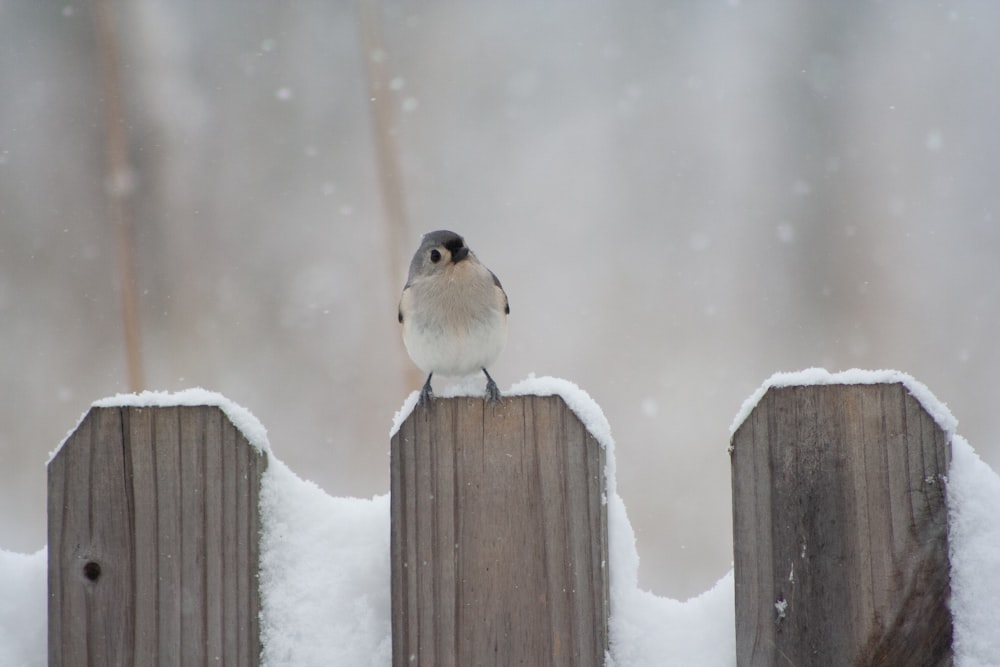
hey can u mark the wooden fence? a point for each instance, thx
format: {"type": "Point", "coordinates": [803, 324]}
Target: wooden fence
{"type": "Point", "coordinates": [499, 535]}
{"type": "Point", "coordinates": [153, 540]}
{"type": "Point", "coordinates": [840, 529]}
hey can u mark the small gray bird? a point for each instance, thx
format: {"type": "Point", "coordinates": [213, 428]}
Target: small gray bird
{"type": "Point", "coordinates": [453, 311]}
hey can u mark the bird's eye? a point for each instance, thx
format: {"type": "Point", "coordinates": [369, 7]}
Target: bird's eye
{"type": "Point", "coordinates": [435, 255]}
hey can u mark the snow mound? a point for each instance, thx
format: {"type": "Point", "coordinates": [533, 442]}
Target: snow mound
{"type": "Point", "coordinates": [23, 608]}
{"type": "Point", "coordinates": [324, 575]}
{"type": "Point", "coordinates": [974, 552]}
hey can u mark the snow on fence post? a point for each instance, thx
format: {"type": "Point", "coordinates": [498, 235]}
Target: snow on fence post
{"type": "Point", "coordinates": [153, 540]}
{"type": "Point", "coordinates": [499, 535]}
{"type": "Point", "coordinates": [840, 529]}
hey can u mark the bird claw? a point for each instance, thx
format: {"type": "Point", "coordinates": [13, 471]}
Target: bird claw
{"type": "Point", "coordinates": [492, 393]}
{"type": "Point", "coordinates": [426, 394]}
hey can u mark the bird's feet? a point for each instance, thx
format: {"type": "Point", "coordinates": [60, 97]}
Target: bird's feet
{"type": "Point", "coordinates": [426, 394]}
{"type": "Point", "coordinates": [492, 393]}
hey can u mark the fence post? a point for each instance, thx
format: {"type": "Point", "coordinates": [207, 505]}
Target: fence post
{"type": "Point", "coordinates": [840, 529]}
{"type": "Point", "coordinates": [499, 536]}
{"type": "Point", "coordinates": [153, 540]}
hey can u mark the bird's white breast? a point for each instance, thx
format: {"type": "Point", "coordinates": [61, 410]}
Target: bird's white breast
{"type": "Point", "coordinates": [455, 327]}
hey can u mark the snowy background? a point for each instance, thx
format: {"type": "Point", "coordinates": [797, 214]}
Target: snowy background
{"type": "Point", "coordinates": [680, 199]}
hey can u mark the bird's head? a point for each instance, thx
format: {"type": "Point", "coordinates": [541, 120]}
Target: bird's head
{"type": "Point", "coordinates": [438, 250]}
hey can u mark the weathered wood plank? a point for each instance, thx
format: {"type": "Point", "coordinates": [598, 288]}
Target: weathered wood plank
{"type": "Point", "coordinates": [139, 427]}
{"type": "Point", "coordinates": [499, 536]}
{"type": "Point", "coordinates": [141, 559]}
{"type": "Point", "coordinates": [840, 529]}
{"type": "Point", "coordinates": [249, 567]}
{"type": "Point", "coordinates": [230, 549]}
{"type": "Point", "coordinates": [166, 451]}
{"type": "Point", "coordinates": [215, 565]}
{"type": "Point", "coordinates": [85, 537]}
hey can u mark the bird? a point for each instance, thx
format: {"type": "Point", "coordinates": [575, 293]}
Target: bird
{"type": "Point", "coordinates": [453, 312]}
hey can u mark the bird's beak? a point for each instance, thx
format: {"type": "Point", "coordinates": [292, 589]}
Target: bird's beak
{"type": "Point", "coordinates": [460, 254]}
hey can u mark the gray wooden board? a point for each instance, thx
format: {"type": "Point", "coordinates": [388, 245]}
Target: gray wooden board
{"type": "Point", "coordinates": [839, 515]}
{"type": "Point", "coordinates": [499, 536]}
{"type": "Point", "coordinates": [164, 502]}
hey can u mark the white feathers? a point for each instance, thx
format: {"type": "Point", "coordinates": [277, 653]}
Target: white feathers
{"type": "Point", "coordinates": [454, 315]}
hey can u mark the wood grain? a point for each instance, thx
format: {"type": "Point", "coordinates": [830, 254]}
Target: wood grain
{"type": "Point", "coordinates": [153, 528]}
{"type": "Point", "coordinates": [839, 517]}
{"type": "Point", "coordinates": [499, 536]}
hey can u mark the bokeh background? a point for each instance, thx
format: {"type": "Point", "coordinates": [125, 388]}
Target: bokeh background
{"type": "Point", "coordinates": [680, 198]}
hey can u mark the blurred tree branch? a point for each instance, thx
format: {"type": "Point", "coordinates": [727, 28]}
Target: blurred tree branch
{"type": "Point", "coordinates": [119, 186]}
{"type": "Point", "coordinates": [386, 152]}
